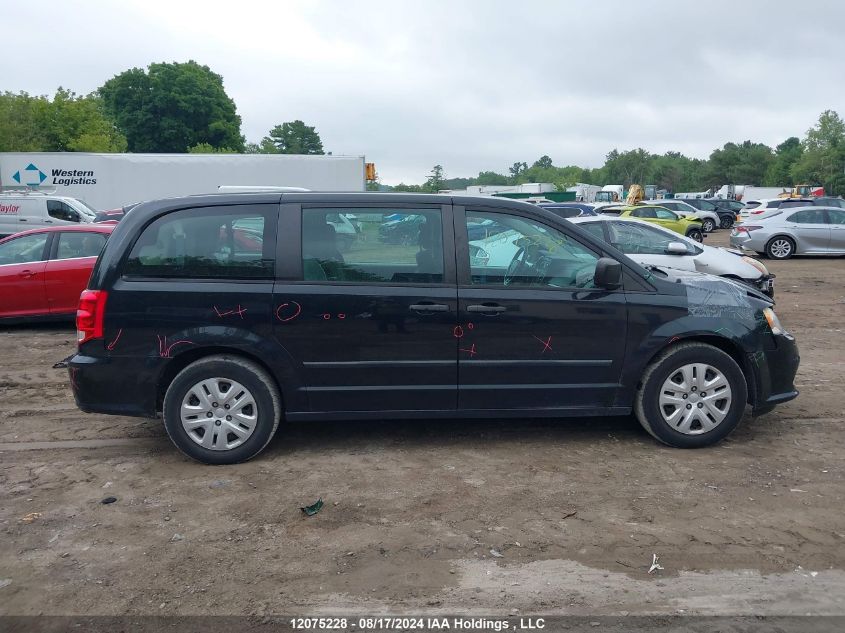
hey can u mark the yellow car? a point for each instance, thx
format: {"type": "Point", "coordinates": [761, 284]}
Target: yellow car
{"type": "Point", "coordinates": [688, 226]}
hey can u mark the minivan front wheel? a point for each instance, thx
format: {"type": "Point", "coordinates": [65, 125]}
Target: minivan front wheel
{"type": "Point", "coordinates": [692, 395]}
{"type": "Point", "coordinates": [222, 410]}
{"type": "Point", "coordinates": [708, 225]}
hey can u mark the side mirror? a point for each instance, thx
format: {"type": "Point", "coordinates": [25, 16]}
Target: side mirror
{"type": "Point", "coordinates": [676, 248]}
{"type": "Point", "coordinates": [608, 274]}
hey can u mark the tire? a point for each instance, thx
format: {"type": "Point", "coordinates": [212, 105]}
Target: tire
{"type": "Point", "coordinates": [703, 430]}
{"type": "Point", "coordinates": [726, 222]}
{"type": "Point", "coordinates": [708, 225]}
{"type": "Point", "coordinates": [780, 247]}
{"type": "Point", "coordinates": [262, 416]}
{"type": "Point", "coordinates": [695, 234]}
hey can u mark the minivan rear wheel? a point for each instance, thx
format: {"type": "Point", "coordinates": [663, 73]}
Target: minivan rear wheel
{"type": "Point", "coordinates": [222, 410]}
{"type": "Point", "coordinates": [692, 395]}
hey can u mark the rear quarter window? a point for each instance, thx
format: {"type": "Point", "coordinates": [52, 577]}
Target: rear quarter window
{"type": "Point", "coordinates": [236, 242]}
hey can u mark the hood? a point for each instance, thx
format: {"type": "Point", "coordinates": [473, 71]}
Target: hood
{"type": "Point", "coordinates": [716, 285]}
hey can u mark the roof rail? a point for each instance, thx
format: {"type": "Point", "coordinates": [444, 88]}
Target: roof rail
{"type": "Point", "coordinates": [259, 189]}
{"type": "Point", "coordinates": [29, 191]}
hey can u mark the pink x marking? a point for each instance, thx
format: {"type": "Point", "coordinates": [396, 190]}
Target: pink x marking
{"type": "Point", "coordinates": [547, 344]}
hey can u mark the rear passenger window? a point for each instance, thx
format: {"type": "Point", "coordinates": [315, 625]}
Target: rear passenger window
{"type": "Point", "coordinates": [810, 216]}
{"type": "Point", "coordinates": [80, 244]}
{"type": "Point", "coordinates": [372, 245]}
{"type": "Point", "coordinates": [209, 242]}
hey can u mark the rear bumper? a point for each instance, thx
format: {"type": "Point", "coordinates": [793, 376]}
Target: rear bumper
{"type": "Point", "coordinates": [774, 372]}
{"type": "Point", "coordinates": [114, 385]}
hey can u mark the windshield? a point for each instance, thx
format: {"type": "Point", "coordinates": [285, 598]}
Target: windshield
{"type": "Point", "coordinates": [84, 208]}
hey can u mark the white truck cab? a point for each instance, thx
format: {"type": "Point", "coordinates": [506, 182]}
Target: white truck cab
{"type": "Point", "coordinates": [23, 210]}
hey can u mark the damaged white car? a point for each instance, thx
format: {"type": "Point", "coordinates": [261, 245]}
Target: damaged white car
{"type": "Point", "coordinates": [651, 245]}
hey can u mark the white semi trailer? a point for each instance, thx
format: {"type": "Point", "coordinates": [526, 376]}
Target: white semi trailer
{"type": "Point", "coordinates": [108, 181]}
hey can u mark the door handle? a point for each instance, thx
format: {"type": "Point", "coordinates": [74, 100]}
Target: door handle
{"type": "Point", "coordinates": [428, 307]}
{"type": "Point", "coordinates": [26, 274]}
{"type": "Point", "coordinates": [485, 309]}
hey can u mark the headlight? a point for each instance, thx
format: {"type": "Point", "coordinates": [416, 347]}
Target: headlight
{"type": "Point", "coordinates": [773, 321]}
{"type": "Point", "coordinates": [757, 264]}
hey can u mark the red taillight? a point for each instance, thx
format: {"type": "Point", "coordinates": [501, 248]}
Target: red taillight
{"type": "Point", "coordinates": [758, 212]}
{"type": "Point", "coordinates": [747, 228]}
{"type": "Point", "coordinates": [89, 315]}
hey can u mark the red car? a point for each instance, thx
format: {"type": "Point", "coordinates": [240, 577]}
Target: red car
{"type": "Point", "coordinates": [43, 271]}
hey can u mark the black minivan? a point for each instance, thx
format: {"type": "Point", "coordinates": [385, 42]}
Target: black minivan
{"type": "Point", "coordinates": [225, 314]}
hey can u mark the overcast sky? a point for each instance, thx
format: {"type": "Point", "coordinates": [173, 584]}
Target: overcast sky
{"type": "Point", "coordinates": [473, 85]}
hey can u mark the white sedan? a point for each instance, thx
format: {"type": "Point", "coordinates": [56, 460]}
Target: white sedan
{"type": "Point", "coordinates": [652, 245]}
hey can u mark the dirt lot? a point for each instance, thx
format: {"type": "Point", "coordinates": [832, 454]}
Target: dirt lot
{"type": "Point", "coordinates": [449, 517]}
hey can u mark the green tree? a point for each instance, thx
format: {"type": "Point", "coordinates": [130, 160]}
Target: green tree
{"type": "Point", "coordinates": [490, 178]}
{"type": "Point", "coordinates": [744, 163]}
{"type": "Point", "coordinates": [543, 162]}
{"type": "Point", "coordinates": [402, 187]}
{"type": "Point", "coordinates": [67, 123]}
{"type": "Point", "coordinates": [823, 160]}
{"type": "Point", "coordinates": [78, 124]}
{"type": "Point", "coordinates": [627, 168]}
{"type": "Point", "coordinates": [675, 172]}
{"type": "Point", "coordinates": [517, 169]}
{"type": "Point", "coordinates": [436, 180]}
{"type": "Point", "coordinates": [780, 170]}
{"type": "Point", "coordinates": [208, 148]}
{"type": "Point", "coordinates": [171, 107]}
{"type": "Point", "coordinates": [21, 118]}
{"type": "Point", "coordinates": [293, 137]}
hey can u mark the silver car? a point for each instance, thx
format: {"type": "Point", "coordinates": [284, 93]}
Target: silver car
{"type": "Point", "coordinates": [780, 234]}
{"type": "Point", "coordinates": [648, 244]}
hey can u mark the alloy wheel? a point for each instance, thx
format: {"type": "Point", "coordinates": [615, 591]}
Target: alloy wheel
{"type": "Point", "coordinates": [780, 248]}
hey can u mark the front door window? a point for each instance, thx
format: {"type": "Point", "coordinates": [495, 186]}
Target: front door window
{"type": "Point", "coordinates": [522, 253]}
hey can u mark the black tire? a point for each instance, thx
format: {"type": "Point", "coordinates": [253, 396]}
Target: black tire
{"type": "Point", "coordinates": [646, 403]}
{"type": "Point", "coordinates": [708, 225]}
{"type": "Point", "coordinates": [695, 234]}
{"type": "Point", "coordinates": [780, 247]}
{"type": "Point", "coordinates": [262, 387]}
{"type": "Point", "coordinates": [726, 221]}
